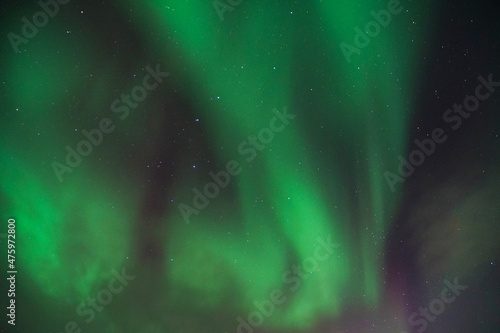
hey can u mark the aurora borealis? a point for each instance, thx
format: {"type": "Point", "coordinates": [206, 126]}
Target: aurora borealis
{"type": "Point", "coordinates": [230, 155]}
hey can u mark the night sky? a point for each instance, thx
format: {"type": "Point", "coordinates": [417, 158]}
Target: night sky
{"type": "Point", "coordinates": [251, 166]}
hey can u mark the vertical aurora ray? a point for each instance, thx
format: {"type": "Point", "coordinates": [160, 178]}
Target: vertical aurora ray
{"type": "Point", "coordinates": [386, 105]}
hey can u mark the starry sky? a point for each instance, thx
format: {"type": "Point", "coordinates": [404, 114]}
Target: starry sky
{"type": "Point", "coordinates": [251, 166]}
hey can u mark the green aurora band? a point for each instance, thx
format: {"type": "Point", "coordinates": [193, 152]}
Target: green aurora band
{"type": "Point", "coordinates": [235, 252]}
